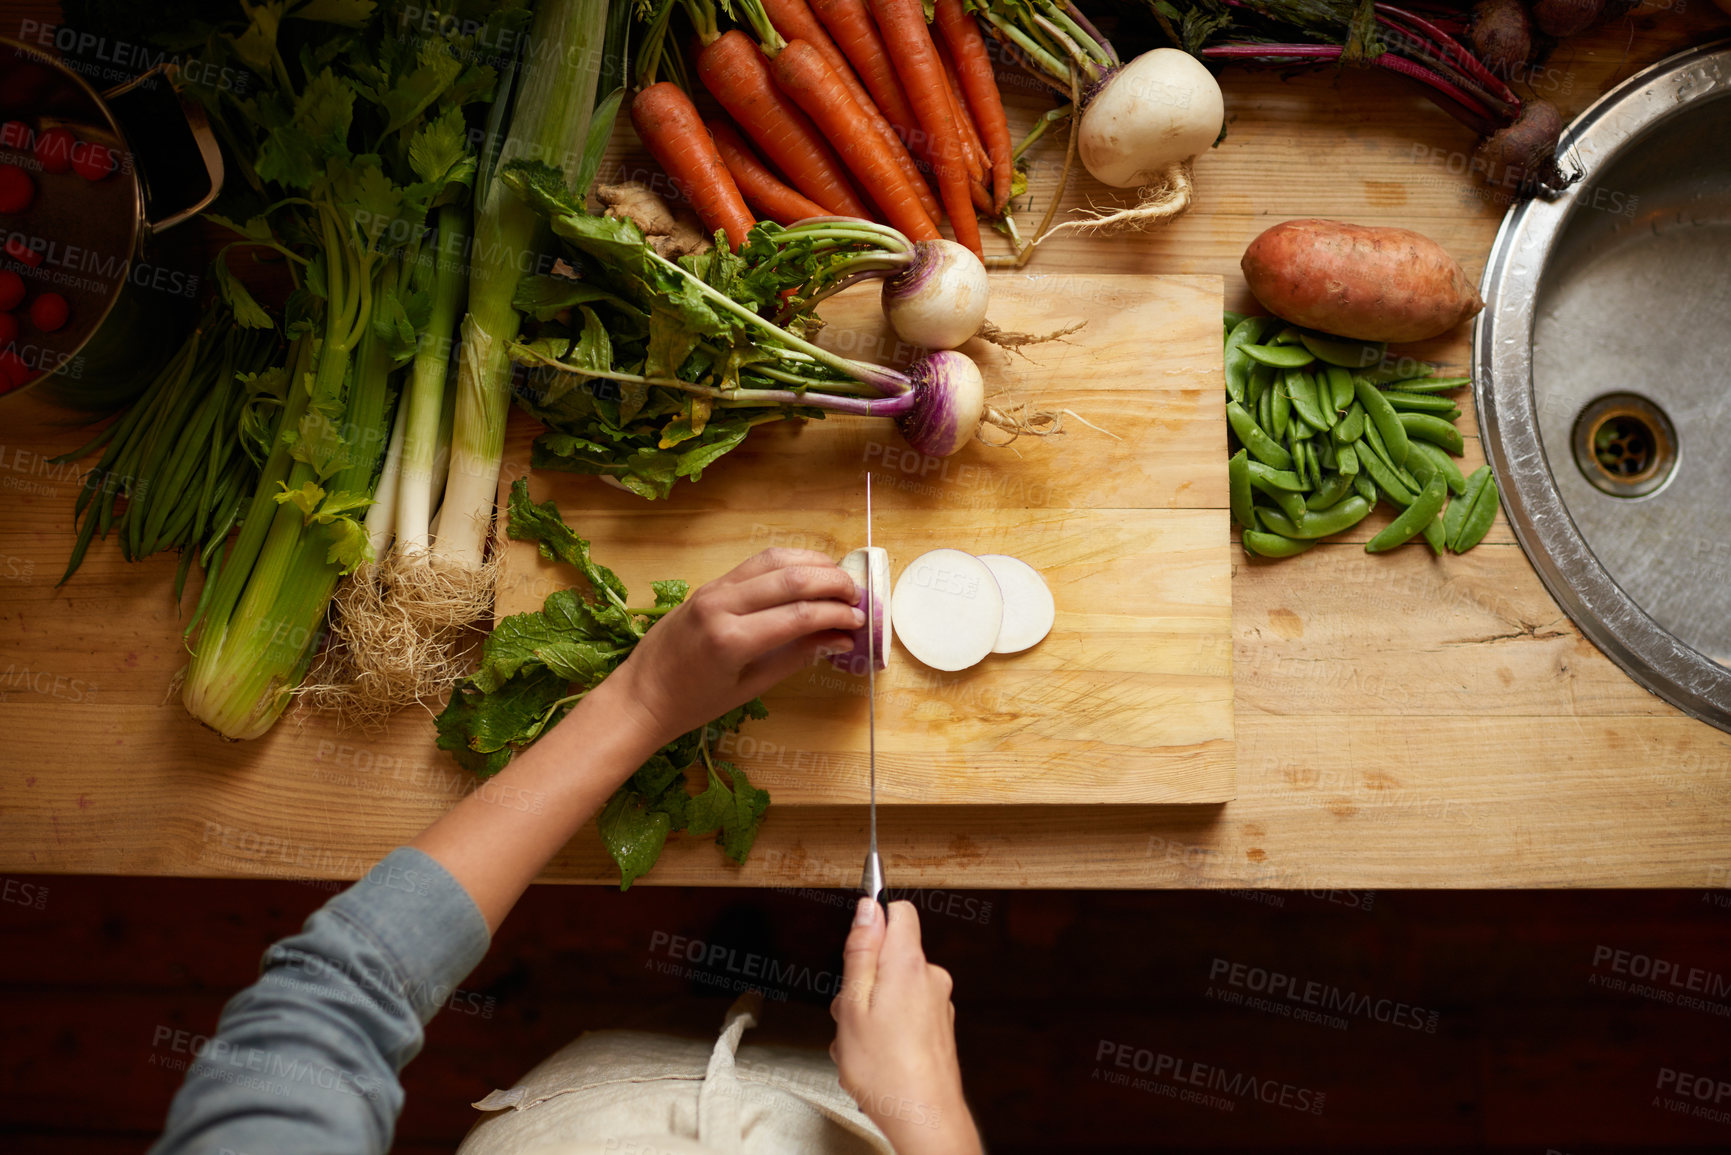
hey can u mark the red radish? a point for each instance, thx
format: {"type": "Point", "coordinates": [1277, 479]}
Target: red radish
{"type": "Point", "coordinates": [14, 370]}
{"type": "Point", "coordinates": [22, 251]}
{"type": "Point", "coordinates": [8, 329]}
{"type": "Point", "coordinates": [15, 134]}
{"type": "Point", "coordinates": [17, 190]}
{"type": "Point", "coordinates": [92, 161]}
{"type": "Point", "coordinates": [948, 609]}
{"type": "Point", "coordinates": [54, 149]}
{"type": "Point", "coordinates": [11, 290]}
{"type": "Point", "coordinates": [877, 561]}
{"type": "Point", "coordinates": [49, 311]}
{"type": "Point", "coordinates": [1028, 607]}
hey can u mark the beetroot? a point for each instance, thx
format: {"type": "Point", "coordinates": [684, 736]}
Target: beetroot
{"type": "Point", "coordinates": [1502, 36]}
{"type": "Point", "coordinates": [1522, 158]}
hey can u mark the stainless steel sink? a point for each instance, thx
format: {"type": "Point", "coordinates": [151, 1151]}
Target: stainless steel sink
{"type": "Point", "coordinates": [1603, 375]}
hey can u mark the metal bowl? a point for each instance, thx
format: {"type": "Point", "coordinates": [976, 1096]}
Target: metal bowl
{"type": "Point", "coordinates": [1603, 377]}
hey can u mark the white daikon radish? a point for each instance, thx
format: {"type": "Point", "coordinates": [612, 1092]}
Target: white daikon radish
{"type": "Point", "coordinates": [855, 563]}
{"type": "Point", "coordinates": [948, 609]}
{"type": "Point", "coordinates": [1028, 607]}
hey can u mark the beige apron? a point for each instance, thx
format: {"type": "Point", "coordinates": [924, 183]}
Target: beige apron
{"type": "Point", "coordinates": [636, 1093]}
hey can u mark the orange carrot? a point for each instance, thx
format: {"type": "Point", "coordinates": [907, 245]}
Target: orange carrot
{"type": "Point", "coordinates": [974, 70]}
{"type": "Point", "coordinates": [973, 152]}
{"type": "Point", "coordinates": [668, 123]}
{"type": "Point", "coordinates": [763, 189]}
{"type": "Point", "coordinates": [856, 34]}
{"type": "Point", "coordinates": [795, 20]}
{"type": "Point", "coordinates": [805, 75]}
{"type": "Point", "coordinates": [735, 72]}
{"type": "Point", "coordinates": [909, 42]}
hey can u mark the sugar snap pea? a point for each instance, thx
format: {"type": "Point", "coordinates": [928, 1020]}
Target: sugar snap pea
{"type": "Point", "coordinates": [1364, 487]}
{"type": "Point", "coordinates": [1457, 510]}
{"type": "Point", "coordinates": [1290, 503]}
{"type": "Point", "coordinates": [1383, 416]}
{"type": "Point", "coordinates": [1280, 356]}
{"type": "Point", "coordinates": [1429, 384]}
{"type": "Point", "coordinates": [1287, 336]}
{"type": "Point", "coordinates": [1422, 468]}
{"type": "Point", "coordinates": [1265, 406]}
{"type": "Point", "coordinates": [1340, 389]}
{"type": "Point", "coordinates": [1341, 517]}
{"type": "Point", "coordinates": [1334, 487]}
{"type": "Point", "coordinates": [1247, 331]}
{"type": "Point", "coordinates": [1342, 351]}
{"type": "Point", "coordinates": [1451, 472]}
{"type": "Point", "coordinates": [1238, 488]}
{"type": "Point", "coordinates": [1273, 545]}
{"type": "Point", "coordinates": [1417, 402]}
{"type": "Point", "coordinates": [1232, 320]}
{"type": "Point", "coordinates": [1386, 481]}
{"type": "Point", "coordinates": [1434, 536]}
{"type": "Point", "coordinates": [1399, 369]}
{"type": "Point", "coordinates": [1277, 478]}
{"type": "Point", "coordinates": [1301, 387]}
{"type": "Point", "coordinates": [1351, 427]}
{"type": "Point", "coordinates": [1373, 441]}
{"type": "Point", "coordinates": [1413, 519]}
{"type": "Point", "coordinates": [1261, 380]}
{"type": "Point", "coordinates": [1280, 411]}
{"type": "Point", "coordinates": [1325, 455]}
{"type": "Point", "coordinates": [1261, 446]}
{"type": "Point", "coordinates": [1429, 427]}
{"type": "Point", "coordinates": [1346, 460]}
{"type": "Point", "coordinates": [1480, 515]}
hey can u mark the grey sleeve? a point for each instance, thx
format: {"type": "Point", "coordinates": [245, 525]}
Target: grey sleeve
{"type": "Point", "coordinates": [306, 1059]}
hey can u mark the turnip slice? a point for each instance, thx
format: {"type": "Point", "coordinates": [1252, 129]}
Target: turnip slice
{"type": "Point", "coordinates": [1028, 607]}
{"type": "Point", "coordinates": [855, 563]}
{"type": "Point", "coordinates": [948, 609]}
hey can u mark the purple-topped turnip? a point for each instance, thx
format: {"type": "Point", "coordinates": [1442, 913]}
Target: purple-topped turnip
{"type": "Point", "coordinates": [874, 561]}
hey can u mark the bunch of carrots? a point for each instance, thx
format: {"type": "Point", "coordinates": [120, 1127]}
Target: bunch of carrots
{"type": "Point", "coordinates": [835, 108]}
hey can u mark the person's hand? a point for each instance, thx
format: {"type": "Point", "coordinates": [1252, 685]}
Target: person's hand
{"type": "Point", "coordinates": [895, 1039]}
{"type": "Point", "coordinates": [735, 637]}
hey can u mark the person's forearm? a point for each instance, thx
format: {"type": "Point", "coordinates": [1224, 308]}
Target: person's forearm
{"type": "Point", "coordinates": [498, 839]}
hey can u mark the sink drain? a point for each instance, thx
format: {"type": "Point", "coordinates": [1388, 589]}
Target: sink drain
{"type": "Point", "coordinates": [1625, 445]}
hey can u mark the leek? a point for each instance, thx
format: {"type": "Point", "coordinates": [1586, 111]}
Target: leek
{"type": "Point", "coordinates": [550, 121]}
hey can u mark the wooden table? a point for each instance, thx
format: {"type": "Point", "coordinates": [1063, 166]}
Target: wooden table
{"type": "Point", "coordinates": [1402, 720]}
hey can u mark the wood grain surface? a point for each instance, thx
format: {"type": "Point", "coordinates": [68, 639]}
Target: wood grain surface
{"type": "Point", "coordinates": [1402, 721]}
{"type": "Point", "coordinates": [1129, 699]}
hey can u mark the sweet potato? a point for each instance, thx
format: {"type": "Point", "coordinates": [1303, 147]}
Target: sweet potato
{"type": "Point", "coordinates": [1370, 284]}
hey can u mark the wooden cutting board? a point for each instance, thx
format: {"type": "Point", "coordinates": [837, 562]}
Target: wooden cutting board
{"type": "Point", "coordinates": [1129, 700]}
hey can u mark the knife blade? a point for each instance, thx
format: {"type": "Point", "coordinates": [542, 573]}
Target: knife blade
{"type": "Point", "coordinates": [871, 881]}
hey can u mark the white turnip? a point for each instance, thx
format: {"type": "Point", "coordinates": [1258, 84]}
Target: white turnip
{"type": "Point", "coordinates": [1029, 610]}
{"type": "Point", "coordinates": [948, 609]}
